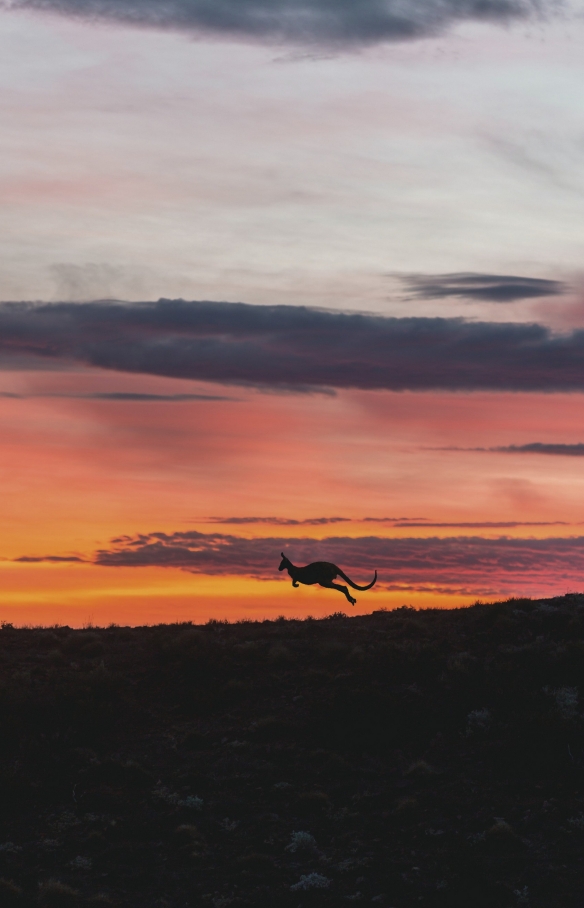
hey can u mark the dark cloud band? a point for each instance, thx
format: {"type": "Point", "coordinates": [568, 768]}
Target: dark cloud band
{"type": "Point", "coordinates": [278, 521]}
{"type": "Point", "coordinates": [487, 566]}
{"type": "Point", "coordinates": [325, 22]}
{"type": "Point", "coordinates": [458, 564]}
{"type": "Point", "coordinates": [535, 447]}
{"type": "Point", "coordinates": [293, 347]}
{"type": "Point", "coordinates": [124, 396]}
{"type": "Point", "coordinates": [398, 522]}
{"type": "Point", "coordinates": [485, 288]}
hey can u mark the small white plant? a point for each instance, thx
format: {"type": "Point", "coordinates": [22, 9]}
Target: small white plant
{"type": "Point", "coordinates": [162, 793]}
{"type": "Point", "coordinates": [578, 821]}
{"type": "Point", "coordinates": [10, 848]}
{"type": "Point", "coordinates": [64, 820]}
{"type": "Point", "coordinates": [475, 837]}
{"type": "Point", "coordinates": [479, 720]}
{"type": "Point", "coordinates": [192, 802]}
{"type": "Point", "coordinates": [173, 799]}
{"type": "Point", "coordinates": [522, 895]}
{"type": "Point", "coordinates": [80, 863]}
{"type": "Point", "coordinates": [311, 881]}
{"type": "Point", "coordinates": [301, 841]}
{"type": "Point", "coordinates": [566, 700]}
{"type": "Point", "coordinates": [50, 844]}
{"type": "Point", "coordinates": [229, 825]}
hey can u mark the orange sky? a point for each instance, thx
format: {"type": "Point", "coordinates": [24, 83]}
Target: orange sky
{"type": "Point", "coordinates": [78, 472]}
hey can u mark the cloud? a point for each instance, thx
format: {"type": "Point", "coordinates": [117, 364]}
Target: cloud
{"type": "Point", "coordinates": [124, 396]}
{"type": "Point", "coordinates": [487, 288]}
{"type": "Point", "coordinates": [398, 522]}
{"type": "Point", "coordinates": [535, 447]}
{"type": "Point", "coordinates": [485, 566]}
{"type": "Point", "coordinates": [304, 22]}
{"type": "Point", "coordinates": [391, 519]}
{"type": "Point", "coordinates": [485, 524]}
{"type": "Point", "coordinates": [458, 565]}
{"type": "Point", "coordinates": [278, 521]}
{"type": "Point", "coordinates": [404, 522]}
{"type": "Point", "coordinates": [294, 347]}
{"type": "Point", "coordinates": [53, 559]}
{"type": "Point", "coordinates": [147, 398]}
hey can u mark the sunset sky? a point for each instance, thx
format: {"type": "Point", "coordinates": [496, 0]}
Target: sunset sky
{"type": "Point", "coordinates": [289, 275]}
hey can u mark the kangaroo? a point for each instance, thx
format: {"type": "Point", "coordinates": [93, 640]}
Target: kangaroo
{"type": "Point", "coordinates": [323, 573]}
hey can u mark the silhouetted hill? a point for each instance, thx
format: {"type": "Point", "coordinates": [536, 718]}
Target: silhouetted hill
{"type": "Point", "coordinates": [402, 758]}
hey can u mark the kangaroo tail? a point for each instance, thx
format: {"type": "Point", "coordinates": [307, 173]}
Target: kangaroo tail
{"type": "Point", "coordinates": [354, 585]}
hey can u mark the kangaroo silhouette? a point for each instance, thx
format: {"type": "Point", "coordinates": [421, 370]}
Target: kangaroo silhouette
{"type": "Point", "coordinates": [323, 573]}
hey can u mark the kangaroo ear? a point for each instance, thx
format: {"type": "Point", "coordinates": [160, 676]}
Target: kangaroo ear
{"type": "Point", "coordinates": [282, 554]}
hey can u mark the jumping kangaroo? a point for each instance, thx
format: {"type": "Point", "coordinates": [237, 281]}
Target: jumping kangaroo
{"type": "Point", "coordinates": [323, 573]}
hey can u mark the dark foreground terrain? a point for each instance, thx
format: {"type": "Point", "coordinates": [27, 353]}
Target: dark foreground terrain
{"type": "Point", "coordinates": [400, 759]}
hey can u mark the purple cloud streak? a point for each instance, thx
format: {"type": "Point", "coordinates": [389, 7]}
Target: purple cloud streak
{"type": "Point", "coordinates": [294, 347]}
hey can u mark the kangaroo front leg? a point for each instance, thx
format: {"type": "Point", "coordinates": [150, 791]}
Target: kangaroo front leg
{"type": "Point", "coordinates": [295, 583]}
{"type": "Point", "coordinates": [342, 589]}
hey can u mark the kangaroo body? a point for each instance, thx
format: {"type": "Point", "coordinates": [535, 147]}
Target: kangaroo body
{"type": "Point", "coordinates": [323, 573]}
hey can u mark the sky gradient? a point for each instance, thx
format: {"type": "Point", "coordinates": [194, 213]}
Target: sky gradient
{"type": "Point", "coordinates": [295, 276]}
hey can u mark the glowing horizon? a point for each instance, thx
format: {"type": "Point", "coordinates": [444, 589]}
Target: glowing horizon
{"type": "Point", "coordinates": [87, 469]}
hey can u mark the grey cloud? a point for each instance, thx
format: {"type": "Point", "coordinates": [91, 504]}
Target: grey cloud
{"type": "Point", "coordinates": [535, 447]}
{"type": "Point", "coordinates": [295, 347]}
{"type": "Point", "coordinates": [484, 524]}
{"type": "Point", "coordinates": [405, 522]}
{"type": "Point", "coordinates": [398, 522]}
{"type": "Point", "coordinates": [490, 288]}
{"type": "Point", "coordinates": [53, 559]}
{"type": "Point", "coordinates": [278, 521]}
{"type": "Point", "coordinates": [470, 562]}
{"type": "Point", "coordinates": [171, 398]}
{"type": "Point", "coordinates": [305, 22]}
{"type": "Point", "coordinates": [124, 396]}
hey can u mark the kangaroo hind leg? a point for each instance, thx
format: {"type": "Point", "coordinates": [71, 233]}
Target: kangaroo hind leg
{"type": "Point", "coordinates": [329, 585]}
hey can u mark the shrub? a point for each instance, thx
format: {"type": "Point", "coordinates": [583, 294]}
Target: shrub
{"type": "Point", "coordinates": [256, 863]}
{"type": "Point", "coordinates": [501, 839]}
{"type": "Point", "coordinates": [313, 802]}
{"type": "Point", "coordinates": [478, 721]}
{"type": "Point", "coordinates": [301, 841]}
{"type": "Point", "coordinates": [114, 772]}
{"type": "Point", "coordinates": [566, 701]}
{"type": "Point", "coordinates": [54, 894]}
{"type": "Point", "coordinates": [10, 894]}
{"type": "Point", "coordinates": [420, 770]}
{"type": "Point", "coordinates": [80, 643]}
{"type": "Point", "coordinates": [311, 881]}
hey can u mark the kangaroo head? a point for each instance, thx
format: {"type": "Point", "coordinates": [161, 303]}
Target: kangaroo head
{"type": "Point", "coordinates": [285, 562]}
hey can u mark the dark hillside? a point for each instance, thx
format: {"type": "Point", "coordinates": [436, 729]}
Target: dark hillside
{"type": "Point", "coordinates": [402, 758]}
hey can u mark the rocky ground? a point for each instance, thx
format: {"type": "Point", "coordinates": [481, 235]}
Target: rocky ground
{"type": "Point", "coordinates": [403, 758]}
